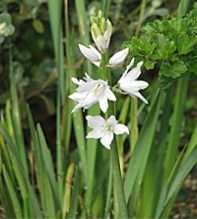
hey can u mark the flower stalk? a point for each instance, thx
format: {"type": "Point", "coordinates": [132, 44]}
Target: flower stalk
{"type": "Point", "coordinates": [115, 162]}
{"type": "Point", "coordinates": [92, 91]}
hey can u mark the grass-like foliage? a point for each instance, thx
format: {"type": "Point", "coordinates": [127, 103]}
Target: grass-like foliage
{"type": "Point", "coordinates": [141, 168]}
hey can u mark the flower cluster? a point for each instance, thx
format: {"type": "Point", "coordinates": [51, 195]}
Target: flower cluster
{"type": "Point", "coordinates": [91, 91]}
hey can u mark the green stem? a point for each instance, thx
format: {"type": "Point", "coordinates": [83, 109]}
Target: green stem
{"type": "Point", "coordinates": [134, 101]}
{"type": "Point", "coordinates": [106, 6]}
{"type": "Point", "coordinates": [134, 123]}
{"type": "Point", "coordinates": [91, 146]}
{"type": "Point", "coordinates": [119, 196]}
{"type": "Point", "coordinates": [109, 191]}
{"type": "Point", "coordinates": [118, 184]}
{"type": "Point", "coordinates": [141, 17]}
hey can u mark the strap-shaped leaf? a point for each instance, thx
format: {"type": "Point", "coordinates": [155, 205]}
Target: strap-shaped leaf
{"type": "Point", "coordinates": [137, 164]}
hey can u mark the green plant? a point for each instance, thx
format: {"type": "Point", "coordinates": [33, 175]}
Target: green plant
{"type": "Point", "coordinates": [80, 178]}
{"type": "Point", "coordinates": [168, 44]}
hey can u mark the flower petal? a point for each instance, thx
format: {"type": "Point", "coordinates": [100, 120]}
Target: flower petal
{"type": "Point", "coordinates": [110, 95]}
{"type": "Point", "coordinates": [133, 86]}
{"type": "Point", "coordinates": [77, 96]}
{"type": "Point", "coordinates": [119, 57]}
{"type": "Point", "coordinates": [96, 134]}
{"type": "Point", "coordinates": [130, 65]}
{"type": "Point", "coordinates": [141, 84]}
{"type": "Point", "coordinates": [134, 73]}
{"type": "Point", "coordinates": [100, 43]}
{"type": "Point", "coordinates": [112, 121]}
{"type": "Point", "coordinates": [75, 81]}
{"type": "Point", "coordinates": [103, 103]}
{"type": "Point", "coordinates": [91, 54]}
{"type": "Point", "coordinates": [106, 140]}
{"type": "Point", "coordinates": [121, 129]}
{"type": "Point", "coordinates": [108, 33]}
{"type": "Point", "coordinates": [95, 121]}
{"type": "Point", "coordinates": [139, 95]}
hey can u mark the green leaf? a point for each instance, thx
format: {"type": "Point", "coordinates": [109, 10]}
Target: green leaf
{"type": "Point", "coordinates": [165, 47]}
{"type": "Point", "coordinates": [177, 181]}
{"type": "Point", "coordinates": [74, 196]}
{"type": "Point", "coordinates": [176, 125]}
{"type": "Point", "coordinates": [118, 185]}
{"type": "Point", "coordinates": [185, 43]}
{"type": "Point", "coordinates": [173, 70]}
{"type": "Point", "coordinates": [138, 162]}
{"type": "Point", "coordinates": [183, 7]}
{"type": "Point", "coordinates": [13, 194]}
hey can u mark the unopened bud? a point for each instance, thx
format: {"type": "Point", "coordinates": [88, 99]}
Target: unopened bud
{"type": "Point", "coordinates": [101, 30]}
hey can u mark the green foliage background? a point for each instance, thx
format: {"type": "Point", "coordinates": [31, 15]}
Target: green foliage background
{"type": "Point", "coordinates": [47, 166]}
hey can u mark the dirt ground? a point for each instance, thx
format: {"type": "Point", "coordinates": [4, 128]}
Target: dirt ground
{"type": "Point", "coordinates": [186, 204]}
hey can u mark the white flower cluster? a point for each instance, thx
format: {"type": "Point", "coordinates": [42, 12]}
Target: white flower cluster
{"type": "Point", "coordinates": [90, 91]}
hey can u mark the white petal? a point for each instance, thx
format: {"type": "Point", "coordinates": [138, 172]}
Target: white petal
{"type": "Point", "coordinates": [130, 64]}
{"type": "Point", "coordinates": [139, 95]}
{"type": "Point", "coordinates": [119, 57]}
{"type": "Point", "coordinates": [106, 140]}
{"type": "Point", "coordinates": [110, 95]}
{"type": "Point", "coordinates": [98, 61]}
{"type": "Point", "coordinates": [135, 72]}
{"type": "Point", "coordinates": [108, 33]}
{"type": "Point", "coordinates": [101, 43]}
{"type": "Point", "coordinates": [96, 134]}
{"type": "Point", "coordinates": [112, 121]}
{"type": "Point", "coordinates": [90, 99]}
{"type": "Point", "coordinates": [95, 121]}
{"type": "Point", "coordinates": [77, 96]}
{"type": "Point", "coordinates": [126, 71]}
{"type": "Point", "coordinates": [121, 129]}
{"type": "Point", "coordinates": [133, 86]}
{"type": "Point", "coordinates": [87, 77]}
{"type": "Point", "coordinates": [75, 80]}
{"type": "Point", "coordinates": [91, 54]}
{"type": "Point", "coordinates": [141, 84]}
{"type": "Point", "coordinates": [103, 103]}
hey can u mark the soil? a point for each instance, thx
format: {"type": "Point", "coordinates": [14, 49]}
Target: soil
{"type": "Point", "coordinates": [186, 204]}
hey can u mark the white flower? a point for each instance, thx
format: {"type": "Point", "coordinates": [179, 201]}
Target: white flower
{"type": "Point", "coordinates": [2, 28]}
{"type": "Point", "coordinates": [90, 92]}
{"type": "Point", "coordinates": [128, 82]}
{"type": "Point", "coordinates": [105, 129]}
{"type": "Point", "coordinates": [94, 56]}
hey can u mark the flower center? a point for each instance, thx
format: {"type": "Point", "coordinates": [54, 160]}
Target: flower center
{"type": "Point", "coordinates": [98, 89]}
{"type": "Point", "coordinates": [109, 127]}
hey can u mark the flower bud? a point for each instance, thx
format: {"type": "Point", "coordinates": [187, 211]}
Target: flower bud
{"type": "Point", "coordinates": [101, 30]}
